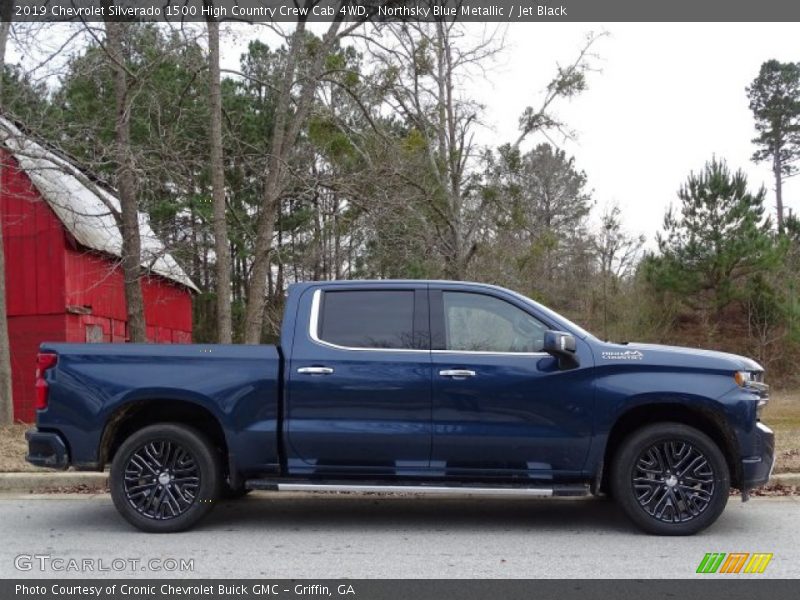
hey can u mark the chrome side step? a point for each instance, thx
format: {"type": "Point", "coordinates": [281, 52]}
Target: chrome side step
{"type": "Point", "coordinates": [412, 488]}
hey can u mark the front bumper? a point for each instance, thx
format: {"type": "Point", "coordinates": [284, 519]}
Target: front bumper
{"type": "Point", "coordinates": [46, 449]}
{"type": "Point", "coordinates": [756, 469]}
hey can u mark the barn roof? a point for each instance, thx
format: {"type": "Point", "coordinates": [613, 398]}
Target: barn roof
{"type": "Point", "coordinates": [84, 205]}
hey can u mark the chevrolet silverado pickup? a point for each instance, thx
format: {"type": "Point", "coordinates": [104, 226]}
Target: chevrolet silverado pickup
{"type": "Point", "coordinates": [408, 386]}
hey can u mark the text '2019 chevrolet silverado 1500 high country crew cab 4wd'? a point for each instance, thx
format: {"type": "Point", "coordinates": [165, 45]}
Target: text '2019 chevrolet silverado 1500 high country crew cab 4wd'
{"type": "Point", "coordinates": [416, 386]}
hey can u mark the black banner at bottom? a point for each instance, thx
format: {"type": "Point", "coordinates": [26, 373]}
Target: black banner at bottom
{"type": "Point", "coordinates": [734, 588]}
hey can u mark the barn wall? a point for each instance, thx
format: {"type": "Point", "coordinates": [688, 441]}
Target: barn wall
{"type": "Point", "coordinates": [94, 329]}
{"type": "Point", "coordinates": [95, 284]}
{"type": "Point", "coordinates": [26, 333]}
{"type": "Point", "coordinates": [57, 292]}
{"type": "Point", "coordinates": [33, 240]}
{"type": "Point", "coordinates": [167, 306]}
{"type": "Point", "coordinates": [167, 312]}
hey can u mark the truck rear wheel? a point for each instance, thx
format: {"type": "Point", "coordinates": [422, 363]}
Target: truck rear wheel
{"type": "Point", "coordinates": [670, 479]}
{"type": "Point", "coordinates": [165, 478]}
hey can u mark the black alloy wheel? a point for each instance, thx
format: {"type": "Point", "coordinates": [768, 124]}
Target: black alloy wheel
{"type": "Point", "coordinates": [162, 480]}
{"type": "Point", "coordinates": [165, 477]}
{"type": "Point", "coordinates": [673, 481]}
{"type": "Point", "coordinates": [670, 479]}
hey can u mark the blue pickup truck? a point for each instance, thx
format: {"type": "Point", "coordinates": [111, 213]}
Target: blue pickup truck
{"type": "Point", "coordinates": [408, 386]}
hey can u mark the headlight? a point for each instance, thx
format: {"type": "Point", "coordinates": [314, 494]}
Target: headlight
{"type": "Point", "coordinates": [754, 382]}
{"type": "Point", "coordinates": [742, 378]}
{"type": "Point", "coordinates": [762, 402]}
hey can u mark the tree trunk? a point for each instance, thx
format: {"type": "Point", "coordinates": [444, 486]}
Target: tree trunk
{"type": "Point", "coordinates": [319, 242]}
{"type": "Point", "coordinates": [450, 170]}
{"type": "Point", "coordinates": [286, 129]}
{"type": "Point", "coordinates": [221, 240]}
{"type": "Point", "coordinates": [6, 400]}
{"type": "Point", "coordinates": [126, 186]}
{"type": "Point", "coordinates": [777, 169]}
{"type": "Point", "coordinates": [254, 312]}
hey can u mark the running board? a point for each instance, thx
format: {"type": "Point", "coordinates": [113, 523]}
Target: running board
{"type": "Point", "coordinates": [287, 486]}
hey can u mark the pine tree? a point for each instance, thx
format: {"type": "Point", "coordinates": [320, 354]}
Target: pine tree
{"type": "Point", "coordinates": [715, 242]}
{"type": "Point", "coordinates": [775, 102]}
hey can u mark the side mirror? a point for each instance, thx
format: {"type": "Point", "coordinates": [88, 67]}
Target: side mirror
{"type": "Point", "coordinates": [562, 346]}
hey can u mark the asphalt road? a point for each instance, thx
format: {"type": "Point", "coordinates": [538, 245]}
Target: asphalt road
{"type": "Point", "coordinates": [335, 536]}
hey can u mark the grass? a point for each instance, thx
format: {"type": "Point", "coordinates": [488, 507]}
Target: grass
{"type": "Point", "coordinates": [782, 414]}
{"type": "Point", "coordinates": [13, 449]}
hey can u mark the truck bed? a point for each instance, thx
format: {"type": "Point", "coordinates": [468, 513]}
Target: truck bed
{"type": "Point", "coordinates": [95, 383]}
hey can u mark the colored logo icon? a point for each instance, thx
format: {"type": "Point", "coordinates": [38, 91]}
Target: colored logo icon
{"type": "Point", "coordinates": [734, 563]}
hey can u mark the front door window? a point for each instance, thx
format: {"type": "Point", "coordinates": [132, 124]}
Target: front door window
{"type": "Point", "coordinates": [480, 323]}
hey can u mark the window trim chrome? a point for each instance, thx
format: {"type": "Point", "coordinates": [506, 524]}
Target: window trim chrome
{"type": "Point", "coordinates": [313, 334]}
{"type": "Point", "coordinates": [489, 353]}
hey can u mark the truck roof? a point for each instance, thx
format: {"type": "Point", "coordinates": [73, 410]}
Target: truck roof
{"type": "Point", "coordinates": [379, 282]}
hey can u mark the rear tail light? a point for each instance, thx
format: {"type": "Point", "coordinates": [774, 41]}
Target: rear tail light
{"type": "Point", "coordinates": [44, 361]}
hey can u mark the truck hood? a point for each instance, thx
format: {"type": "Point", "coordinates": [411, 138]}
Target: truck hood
{"type": "Point", "coordinates": [675, 356]}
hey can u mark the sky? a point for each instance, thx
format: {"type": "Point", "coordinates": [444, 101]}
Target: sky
{"type": "Point", "coordinates": [670, 97]}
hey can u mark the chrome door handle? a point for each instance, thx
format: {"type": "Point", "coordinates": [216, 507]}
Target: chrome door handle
{"type": "Point", "coordinates": [315, 370]}
{"type": "Point", "coordinates": [457, 373]}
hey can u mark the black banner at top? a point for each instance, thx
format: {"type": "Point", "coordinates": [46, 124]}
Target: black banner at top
{"type": "Point", "coordinates": [510, 11]}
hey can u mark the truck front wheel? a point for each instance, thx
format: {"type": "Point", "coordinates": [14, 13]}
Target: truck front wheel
{"type": "Point", "coordinates": [670, 479]}
{"type": "Point", "coordinates": [165, 478]}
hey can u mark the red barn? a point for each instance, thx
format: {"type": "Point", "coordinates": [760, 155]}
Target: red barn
{"type": "Point", "coordinates": [63, 276]}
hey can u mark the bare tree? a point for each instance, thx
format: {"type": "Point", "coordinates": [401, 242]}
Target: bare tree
{"type": "Point", "coordinates": [6, 401]}
{"type": "Point", "coordinates": [423, 67]}
{"type": "Point", "coordinates": [128, 217]}
{"type": "Point", "coordinates": [420, 66]}
{"type": "Point", "coordinates": [617, 253]}
{"type": "Point", "coordinates": [766, 332]}
{"type": "Point", "coordinates": [221, 239]}
{"type": "Point", "coordinates": [304, 67]}
{"type": "Point", "coordinates": [568, 82]}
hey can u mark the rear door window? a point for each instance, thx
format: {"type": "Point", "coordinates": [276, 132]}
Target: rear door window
{"type": "Point", "coordinates": [368, 319]}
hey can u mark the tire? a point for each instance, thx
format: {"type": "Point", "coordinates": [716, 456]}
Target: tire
{"type": "Point", "coordinates": [165, 478]}
{"type": "Point", "coordinates": [670, 479]}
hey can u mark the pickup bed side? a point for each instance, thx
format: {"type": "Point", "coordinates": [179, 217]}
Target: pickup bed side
{"type": "Point", "coordinates": [229, 392]}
